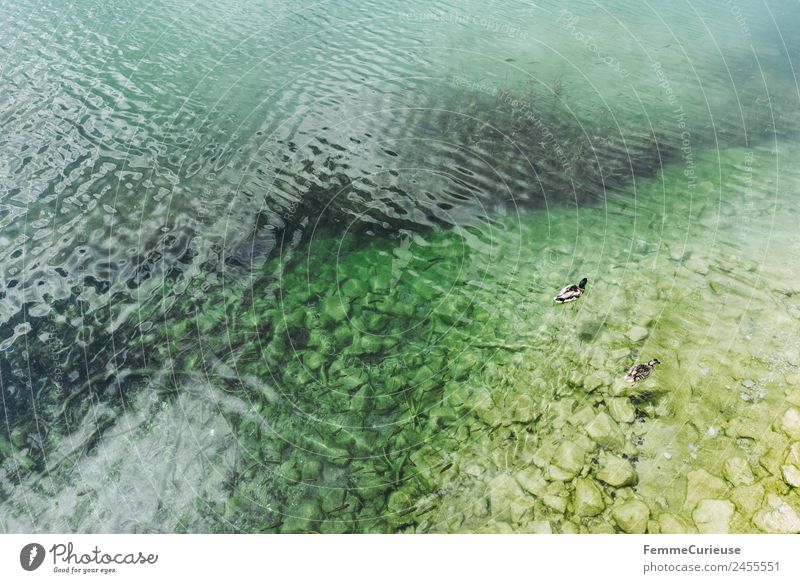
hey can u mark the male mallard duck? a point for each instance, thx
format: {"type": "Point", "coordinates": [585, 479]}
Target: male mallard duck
{"type": "Point", "coordinates": [571, 292]}
{"type": "Point", "coordinates": [641, 371]}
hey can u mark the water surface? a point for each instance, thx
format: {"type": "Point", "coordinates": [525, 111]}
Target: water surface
{"type": "Point", "coordinates": [287, 268]}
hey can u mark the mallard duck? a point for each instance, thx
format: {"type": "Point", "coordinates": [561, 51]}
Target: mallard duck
{"type": "Point", "coordinates": [571, 292]}
{"type": "Point", "coordinates": [641, 371]}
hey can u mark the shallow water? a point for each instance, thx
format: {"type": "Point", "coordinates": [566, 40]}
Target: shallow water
{"type": "Point", "coordinates": [288, 269]}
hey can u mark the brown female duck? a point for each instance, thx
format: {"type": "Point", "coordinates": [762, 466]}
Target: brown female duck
{"type": "Point", "coordinates": [639, 372]}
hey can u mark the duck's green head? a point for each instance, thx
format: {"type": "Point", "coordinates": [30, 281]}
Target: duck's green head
{"type": "Point", "coordinates": [582, 283]}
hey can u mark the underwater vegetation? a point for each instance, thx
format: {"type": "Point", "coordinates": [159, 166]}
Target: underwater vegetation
{"type": "Point", "coordinates": [417, 386]}
{"type": "Point", "coordinates": [427, 383]}
{"type": "Point", "coordinates": [317, 296]}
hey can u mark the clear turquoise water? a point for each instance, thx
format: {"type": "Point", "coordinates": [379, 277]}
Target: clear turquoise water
{"type": "Point", "coordinates": [286, 268]}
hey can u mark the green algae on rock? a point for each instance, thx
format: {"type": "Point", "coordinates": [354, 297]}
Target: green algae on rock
{"type": "Point", "coordinates": [371, 390]}
{"type": "Point", "coordinates": [673, 455]}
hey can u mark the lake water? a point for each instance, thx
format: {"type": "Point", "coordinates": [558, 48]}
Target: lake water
{"type": "Point", "coordinates": [289, 267]}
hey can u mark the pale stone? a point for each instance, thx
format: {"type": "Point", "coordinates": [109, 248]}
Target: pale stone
{"type": "Point", "coordinates": [752, 424]}
{"type": "Point", "coordinates": [523, 409]}
{"type": "Point", "coordinates": [556, 497]}
{"type": "Point", "coordinates": [453, 521]}
{"type": "Point", "coordinates": [621, 410]}
{"type": "Point", "coordinates": [713, 516]}
{"type": "Point", "coordinates": [507, 500]}
{"type": "Point", "coordinates": [637, 333]}
{"type": "Point", "coordinates": [771, 459]}
{"type": "Point", "coordinates": [791, 475]}
{"type": "Point", "coordinates": [588, 498]}
{"type": "Point", "coordinates": [600, 527]}
{"type": "Point", "coordinates": [790, 423]}
{"type": "Point", "coordinates": [582, 417]}
{"type": "Point", "coordinates": [596, 380]}
{"type": "Point", "coordinates": [569, 528]}
{"type": "Point", "coordinates": [485, 408]}
{"type": "Point", "coordinates": [737, 471]}
{"type": "Point", "coordinates": [583, 441]}
{"type": "Point", "coordinates": [748, 498]}
{"type": "Point", "coordinates": [616, 471]}
{"type": "Point", "coordinates": [793, 396]}
{"type": "Point", "coordinates": [671, 524]}
{"type": "Point", "coordinates": [531, 480]}
{"type": "Point", "coordinates": [555, 502]}
{"type": "Point", "coordinates": [496, 527]}
{"type": "Point", "coordinates": [777, 517]}
{"type": "Point", "coordinates": [556, 473]}
{"type": "Point", "coordinates": [545, 453]}
{"type": "Point", "coordinates": [569, 457]}
{"type": "Point", "coordinates": [701, 485]}
{"type": "Point", "coordinates": [793, 455]}
{"type": "Point", "coordinates": [632, 516]}
{"type": "Point", "coordinates": [541, 527]}
{"type": "Point", "coordinates": [605, 432]}
{"type": "Point", "coordinates": [480, 507]}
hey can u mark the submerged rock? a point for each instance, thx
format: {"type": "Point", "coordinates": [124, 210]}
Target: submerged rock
{"type": "Point", "coordinates": [748, 498]}
{"type": "Point", "coordinates": [582, 416]}
{"type": "Point", "coordinates": [555, 497]}
{"type": "Point", "coordinates": [597, 526]}
{"type": "Point", "coordinates": [508, 501]}
{"type": "Point", "coordinates": [621, 409]}
{"type": "Point", "coordinates": [305, 518]}
{"type": "Point", "coordinates": [637, 333]}
{"type": "Point", "coordinates": [793, 394]}
{"type": "Point", "coordinates": [631, 516]}
{"type": "Point", "coordinates": [496, 527]}
{"type": "Point", "coordinates": [771, 459]}
{"type": "Point", "coordinates": [480, 507]}
{"type": "Point", "coordinates": [19, 436]}
{"type": "Point", "coordinates": [791, 475]}
{"type": "Point", "coordinates": [605, 432]}
{"type": "Point", "coordinates": [522, 409]}
{"type": "Point", "coordinates": [532, 481]}
{"type": "Point", "coordinates": [793, 455]}
{"type": "Point", "coordinates": [334, 498]}
{"type": "Point", "coordinates": [595, 380]}
{"type": "Point", "coordinates": [555, 502]}
{"type": "Point", "coordinates": [541, 527]}
{"type": "Point", "coordinates": [335, 309]}
{"type": "Point", "coordinates": [671, 524]}
{"type": "Point", "coordinates": [568, 527]}
{"type": "Point", "coordinates": [588, 498]}
{"type": "Point", "coordinates": [545, 452]}
{"type": "Point", "coordinates": [567, 461]}
{"type": "Point", "coordinates": [616, 471]}
{"type": "Point", "coordinates": [737, 471]}
{"type": "Point", "coordinates": [713, 516]}
{"type": "Point", "coordinates": [777, 517]}
{"type": "Point", "coordinates": [752, 424]}
{"type": "Point", "coordinates": [701, 485]}
{"type": "Point", "coordinates": [789, 423]}
{"type": "Point", "coordinates": [354, 288]}
{"type": "Point", "coordinates": [485, 408]}
{"type": "Point", "coordinates": [313, 360]}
